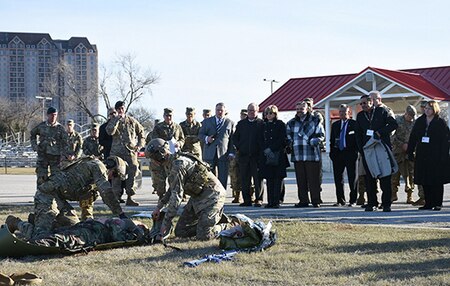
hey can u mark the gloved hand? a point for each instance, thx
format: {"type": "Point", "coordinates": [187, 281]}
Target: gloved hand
{"type": "Point", "coordinates": [314, 141]}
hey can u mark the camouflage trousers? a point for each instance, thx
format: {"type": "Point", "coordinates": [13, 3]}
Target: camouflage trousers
{"type": "Point", "coordinates": [132, 171]}
{"type": "Point", "coordinates": [51, 209]}
{"type": "Point", "coordinates": [43, 162]}
{"type": "Point", "coordinates": [203, 222]}
{"type": "Point", "coordinates": [406, 169]}
{"type": "Point", "coordinates": [159, 178]}
{"type": "Point", "coordinates": [235, 177]}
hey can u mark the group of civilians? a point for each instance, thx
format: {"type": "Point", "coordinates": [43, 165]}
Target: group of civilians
{"type": "Point", "coordinates": [420, 154]}
{"type": "Point", "coordinates": [260, 148]}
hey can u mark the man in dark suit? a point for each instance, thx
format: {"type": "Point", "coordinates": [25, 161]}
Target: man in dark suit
{"type": "Point", "coordinates": [377, 122]}
{"type": "Point", "coordinates": [246, 140]}
{"type": "Point", "coordinates": [343, 154]}
{"type": "Point", "coordinates": [216, 133]}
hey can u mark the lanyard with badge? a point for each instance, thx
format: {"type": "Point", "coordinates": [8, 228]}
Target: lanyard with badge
{"type": "Point", "coordinates": [369, 131]}
{"type": "Point", "coordinates": [425, 138]}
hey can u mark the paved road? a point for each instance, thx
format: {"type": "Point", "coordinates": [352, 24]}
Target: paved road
{"type": "Point", "coordinates": [19, 190]}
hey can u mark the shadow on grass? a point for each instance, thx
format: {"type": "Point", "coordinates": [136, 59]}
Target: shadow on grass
{"type": "Point", "coordinates": [400, 271]}
{"type": "Point", "coordinates": [394, 246]}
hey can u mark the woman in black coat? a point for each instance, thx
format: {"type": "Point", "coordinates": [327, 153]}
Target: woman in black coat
{"type": "Point", "coordinates": [429, 140]}
{"type": "Point", "coordinates": [273, 159]}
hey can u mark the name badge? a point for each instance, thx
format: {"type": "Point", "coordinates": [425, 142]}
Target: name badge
{"type": "Point", "coordinates": [369, 132]}
{"type": "Point", "coordinates": [425, 139]}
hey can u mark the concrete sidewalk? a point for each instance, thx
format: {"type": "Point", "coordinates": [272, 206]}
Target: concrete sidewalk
{"type": "Point", "coordinates": [19, 190]}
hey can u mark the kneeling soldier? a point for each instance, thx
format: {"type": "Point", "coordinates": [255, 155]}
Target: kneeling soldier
{"type": "Point", "coordinates": [188, 175]}
{"type": "Point", "coordinates": [78, 181]}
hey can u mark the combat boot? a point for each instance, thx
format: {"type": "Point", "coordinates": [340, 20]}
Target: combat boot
{"type": "Point", "coordinates": [131, 202]}
{"type": "Point", "coordinates": [12, 222]}
{"type": "Point", "coordinates": [409, 199]}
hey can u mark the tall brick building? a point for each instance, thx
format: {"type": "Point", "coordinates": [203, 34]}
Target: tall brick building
{"type": "Point", "coordinates": [30, 66]}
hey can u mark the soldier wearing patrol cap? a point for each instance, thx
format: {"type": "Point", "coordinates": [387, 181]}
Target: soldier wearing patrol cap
{"type": "Point", "coordinates": [79, 180]}
{"type": "Point", "coordinates": [91, 145]}
{"type": "Point", "coordinates": [75, 141]}
{"type": "Point", "coordinates": [49, 139]}
{"type": "Point", "coordinates": [171, 132]}
{"type": "Point", "coordinates": [188, 175]}
{"type": "Point", "coordinates": [128, 139]}
{"type": "Point", "coordinates": [399, 146]}
{"type": "Point", "coordinates": [190, 129]}
{"type": "Point", "coordinates": [206, 113]}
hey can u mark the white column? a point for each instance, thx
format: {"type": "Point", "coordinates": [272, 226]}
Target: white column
{"type": "Point", "coordinates": [327, 126]}
{"type": "Point", "coordinates": [354, 113]}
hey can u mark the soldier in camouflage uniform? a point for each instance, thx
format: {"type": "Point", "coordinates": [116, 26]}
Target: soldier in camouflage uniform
{"type": "Point", "coordinates": [80, 236]}
{"type": "Point", "coordinates": [79, 180]}
{"type": "Point", "coordinates": [188, 174]}
{"type": "Point", "coordinates": [190, 129]}
{"type": "Point", "coordinates": [52, 145]}
{"type": "Point", "coordinates": [128, 139]}
{"type": "Point", "coordinates": [206, 113]}
{"type": "Point", "coordinates": [168, 131]}
{"type": "Point", "coordinates": [118, 176]}
{"type": "Point", "coordinates": [75, 142]}
{"type": "Point", "coordinates": [91, 145]}
{"type": "Point", "coordinates": [399, 146]}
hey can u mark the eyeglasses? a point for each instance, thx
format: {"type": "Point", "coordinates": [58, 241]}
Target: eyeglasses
{"type": "Point", "coordinates": [270, 112]}
{"type": "Point", "coordinates": [112, 113]}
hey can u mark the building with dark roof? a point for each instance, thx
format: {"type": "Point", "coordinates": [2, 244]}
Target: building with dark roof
{"type": "Point", "coordinates": [30, 67]}
{"type": "Point", "coordinates": [399, 89]}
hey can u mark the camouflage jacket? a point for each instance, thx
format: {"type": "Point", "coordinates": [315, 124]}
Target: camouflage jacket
{"type": "Point", "coordinates": [91, 146]}
{"type": "Point", "coordinates": [77, 177]}
{"type": "Point", "coordinates": [52, 139]}
{"type": "Point", "coordinates": [192, 142]}
{"type": "Point", "coordinates": [168, 132]}
{"type": "Point", "coordinates": [401, 136]}
{"type": "Point", "coordinates": [75, 143]}
{"type": "Point", "coordinates": [88, 233]}
{"type": "Point", "coordinates": [127, 133]}
{"type": "Point", "coordinates": [183, 178]}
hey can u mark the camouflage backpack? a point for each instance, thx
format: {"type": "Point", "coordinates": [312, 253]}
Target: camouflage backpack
{"type": "Point", "coordinates": [247, 235]}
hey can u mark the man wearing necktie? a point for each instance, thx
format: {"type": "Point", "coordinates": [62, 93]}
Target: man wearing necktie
{"type": "Point", "coordinates": [216, 133]}
{"type": "Point", "coordinates": [343, 154]}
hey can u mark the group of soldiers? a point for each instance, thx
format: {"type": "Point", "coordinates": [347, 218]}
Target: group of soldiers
{"type": "Point", "coordinates": [74, 177]}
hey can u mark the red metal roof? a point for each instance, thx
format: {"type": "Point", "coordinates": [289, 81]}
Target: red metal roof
{"type": "Point", "coordinates": [431, 82]}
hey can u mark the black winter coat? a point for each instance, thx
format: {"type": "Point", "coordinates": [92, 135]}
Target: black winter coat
{"type": "Point", "coordinates": [431, 162]}
{"type": "Point", "coordinates": [273, 136]}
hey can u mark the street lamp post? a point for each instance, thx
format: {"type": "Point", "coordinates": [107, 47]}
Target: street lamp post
{"type": "Point", "coordinates": [271, 84]}
{"type": "Point", "coordinates": [44, 98]}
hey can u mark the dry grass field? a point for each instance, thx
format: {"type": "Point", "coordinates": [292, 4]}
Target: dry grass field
{"type": "Point", "coordinates": [306, 254]}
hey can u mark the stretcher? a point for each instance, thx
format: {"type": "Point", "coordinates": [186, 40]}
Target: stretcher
{"type": "Point", "coordinates": [11, 246]}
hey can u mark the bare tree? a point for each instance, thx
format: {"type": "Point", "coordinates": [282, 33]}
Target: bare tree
{"type": "Point", "coordinates": [16, 116]}
{"type": "Point", "coordinates": [132, 83]}
{"type": "Point", "coordinates": [103, 84]}
{"type": "Point", "coordinates": [79, 94]}
{"type": "Point", "coordinates": [144, 116]}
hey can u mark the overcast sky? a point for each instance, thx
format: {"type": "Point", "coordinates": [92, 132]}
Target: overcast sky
{"type": "Point", "coordinates": [212, 51]}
